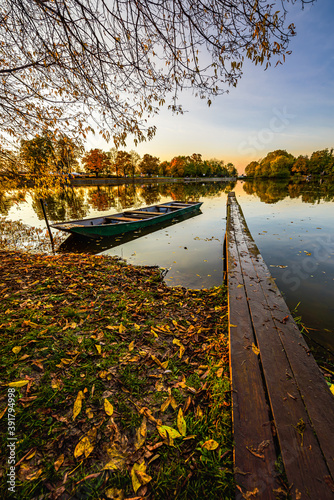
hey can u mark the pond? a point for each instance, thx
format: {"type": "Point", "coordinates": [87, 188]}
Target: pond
{"type": "Point", "coordinates": [291, 222]}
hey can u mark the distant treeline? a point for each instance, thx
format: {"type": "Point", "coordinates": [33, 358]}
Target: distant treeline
{"type": "Point", "coordinates": [280, 164]}
{"type": "Point", "coordinates": [46, 155]}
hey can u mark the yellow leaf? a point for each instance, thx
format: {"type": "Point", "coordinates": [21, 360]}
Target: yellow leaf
{"type": "Point", "coordinates": [181, 423]}
{"type": "Point", "coordinates": [31, 455]}
{"type": "Point", "coordinates": [211, 444]}
{"type": "Point", "coordinates": [255, 349]}
{"type": "Point", "coordinates": [114, 494]}
{"type": "Point", "coordinates": [177, 342]}
{"type": "Point", "coordinates": [25, 356]}
{"type": "Point", "coordinates": [89, 413]}
{"type": "Point", "coordinates": [59, 462]}
{"type": "Point", "coordinates": [121, 328]}
{"type": "Point", "coordinates": [165, 404]}
{"type": "Point", "coordinates": [141, 434]}
{"type": "Point", "coordinates": [332, 389]}
{"type": "Point", "coordinates": [19, 383]}
{"type": "Point", "coordinates": [233, 326]}
{"type": "Point", "coordinates": [108, 407]}
{"type": "Point", "coordinates": [117, 460]}
{"type": "Point", "coordinates": [131, 346]}
{"type": "Point", "coordinates": [34, 475]}
{"type": "Point", "coordinates": [83, 447]}
{"type": "Point", "coordinates": [168, 434]}
{"type": "Point", "coordinates": [165, 364]}
{"type": "Point", "coordinates": [103, 374]}
{"type": "Point", "coordinates": [16, 349]}
{"type": "Point", "coordinates": [98, 348]}
{"type": "Point", "coordinates": [138, 476]}
{"type": "Point", "coordinates": [78, 404]}
{"type": "Point", "coordinates": [156, 360]}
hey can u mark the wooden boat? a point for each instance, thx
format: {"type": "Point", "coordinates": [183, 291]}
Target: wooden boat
{"type": "Point", "coordinates": [131, 220]}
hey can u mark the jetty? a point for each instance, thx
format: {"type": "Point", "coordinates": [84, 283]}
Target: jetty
{"type": "Point", "coordinates": [282, 408]}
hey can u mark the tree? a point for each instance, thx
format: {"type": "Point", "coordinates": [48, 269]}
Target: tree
{"type": "Point", "coordinates": [67, 152]}
{"type": "Point", "coordinates": [251, 168]}
{"type": "Point", "coordinates": [321, 161]}
{"type": "Point", "coordinates": [95, 161]}
{"type": "Point", "coordinates": [68, 62]}
{"type": "Point", "coordinates": [123, 163]}
{"type": "Point", "coordinates": [300, 165]}
{"type": "Point", "coordinates": [149, 165]}
{"type": "Point", "coordinates": [38, 156]}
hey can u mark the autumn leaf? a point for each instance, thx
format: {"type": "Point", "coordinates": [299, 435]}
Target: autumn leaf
{"type": "Point", "coordinates": [141, 434]}
{"type": "Point", "coordinates": [19, 383]}
{"type": "Point", "coordinates": [181, 423]}
{"type": "Point", "coordinates": [255, 349]}
{"type": "Point", "coordinates": [78, 404]}
{"type": "Point", "coordinates": [168, 434]}
{"type": "Point", "coordinates": [117, 460]}
{"type": "Point", "coordinates": [34, 475]}
{"type": "Point", "coordinates": [16, 349]}
{"type": "Point", "coordinates": [98, 348]}
{"type": "Point", "coordinates": [59, 462]}
{"type": "Point", "coordinates": [131, 346]}
{"type": "Point", "coordinates": [84, 446]}
{"type": "Point", "coordinates": [114, 494]}
{"type": "Point", "coordinates": [108, 407]}
{"type": "Point", "coordinates": [3, 412]}
{"type": "Point", "coordinates": [211, 444]}
{"type": "Point", "coordinates": [138, 476]}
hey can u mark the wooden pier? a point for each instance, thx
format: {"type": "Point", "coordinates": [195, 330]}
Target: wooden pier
{"type": "Point", "coordinates": [283, 410]}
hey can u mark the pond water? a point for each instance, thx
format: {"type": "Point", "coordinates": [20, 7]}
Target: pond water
{"type": "Point", "coordinates": [292, 224]}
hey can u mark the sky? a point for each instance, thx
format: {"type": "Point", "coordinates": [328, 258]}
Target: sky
{"type": "Point", "coordinates": [289, 106]}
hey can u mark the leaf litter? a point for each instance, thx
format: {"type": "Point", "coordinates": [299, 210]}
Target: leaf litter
{"type": "Point", "coordinates": [121, 383]}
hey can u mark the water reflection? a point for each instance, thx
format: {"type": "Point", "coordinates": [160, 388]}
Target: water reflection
{"type": "Point", "coordinates": [271, 191]}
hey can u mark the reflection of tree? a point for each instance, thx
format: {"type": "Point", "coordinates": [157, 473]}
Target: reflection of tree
{"type": "Point", "coordinates": [268, 191]}
{"type": "Point", "coordinates": [100, 198]}
{"type": "Point", "coordinates": [194, 190]}
{"type": "Point", "coordinates": [150, 193]}
{"type": "Point", "coordinates": [126, 196]}
{"type": "Point", "coordinates": [9, 198]}
{"type": "Point", "coordinates": [271, 191]}
{"type": "Point", "coordinates": [63, 205]}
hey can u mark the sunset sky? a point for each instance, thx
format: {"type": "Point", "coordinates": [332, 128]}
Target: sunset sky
{"type": "Point", "coordinates": [286, 107]}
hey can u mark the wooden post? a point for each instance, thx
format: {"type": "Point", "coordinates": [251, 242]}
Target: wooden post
{"type": "Point", "coordinates": [47, 225]}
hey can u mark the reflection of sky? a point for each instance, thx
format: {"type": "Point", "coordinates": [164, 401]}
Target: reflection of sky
{"type": "Point", "coordinates": [286, 107]}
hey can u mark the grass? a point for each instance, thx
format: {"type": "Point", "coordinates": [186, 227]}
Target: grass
{"type": "Point", "coordinates": [79, 330]}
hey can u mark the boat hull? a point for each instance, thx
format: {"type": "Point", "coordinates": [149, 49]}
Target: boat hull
{"type": "Point", "coordinates": [97, 227]}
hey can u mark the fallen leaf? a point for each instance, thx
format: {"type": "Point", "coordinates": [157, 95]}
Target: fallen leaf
{"type": "Point", "coordinates": [211, 444]}
{"type": "Point", "coordinates": [108, 407]}
{"type": "Point", "coordinates": [117, 460]}
{"type": "Point", "coordinates": [131, 346]}
{"type": "Point", "coordinates": [138, 476]}
{"type": "Point", "coordinates": [34, 475]}
{"type": "Point", "coordinates": [19, 383]}
{"type": "Point", "coordinates": [16, 349]}
{"type": "Point", "coordinates": [141, 434]}
{"type": "Point", "coordinates": [255, 349]}
{"type": "Point", "coordinates": [114, 494]}
{"type": "Point", "coordinates": [59, 462]}
{"type": "Point", "coordinates": [78, 404]}
{"type": "Point", "coordinates": [181, 423]}
{"type": "Point", "coordinates": [83, 447]}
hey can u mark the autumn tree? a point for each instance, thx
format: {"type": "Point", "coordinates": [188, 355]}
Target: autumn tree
{"type": "Point", "coordinates": [300, 165]}
{"type": "Point", "coordinates": [149, 165]}
{"type": "Point", "coordinates": [68, 151]}
{"type": "Point", "coordinates": [38, 155]}
{"type": "Point", "coordinates": [321, 162]}
{"type": "Point", "coordinates": [95, 161]}
{"type": "Point", "coordinates": [68, 64]}
{"type": "Point", "coordinates": [123, 163]}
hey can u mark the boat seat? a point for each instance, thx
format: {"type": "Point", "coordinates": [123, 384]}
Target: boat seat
{"type": "Point", "coordinates": [128, 219]}
{"type": "Point", "coordinates": [142, 212]}
{"type": "Point", "coordinates": [170, 206]}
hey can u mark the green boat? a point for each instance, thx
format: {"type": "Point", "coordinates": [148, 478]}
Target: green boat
{"type": "Point", "coordinates": [130, 220]}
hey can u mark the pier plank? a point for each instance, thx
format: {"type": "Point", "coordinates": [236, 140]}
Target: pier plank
{"type": "Point", "coordinates": [290, 373]}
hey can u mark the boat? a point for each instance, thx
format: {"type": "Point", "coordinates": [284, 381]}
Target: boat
{"type": "Point", "coordinates": [129, 220]}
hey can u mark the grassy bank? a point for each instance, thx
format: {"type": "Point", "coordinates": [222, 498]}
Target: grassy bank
{"type": "Point", "coordinates": [120, 384]}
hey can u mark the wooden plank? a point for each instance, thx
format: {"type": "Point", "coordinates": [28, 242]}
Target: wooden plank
{"type": "Point", "coordinates": [125, 219]}
{"type": "Point", "coordinates": [251, 419]}
{"type": "Point", "coordinates": [302, 456]}
{"type": "Point", "coordinates": [143, 212]}
{"type": "Point", "coordinates": [305, 466]}
{"type": "Point", "coordinates": [311, 383]}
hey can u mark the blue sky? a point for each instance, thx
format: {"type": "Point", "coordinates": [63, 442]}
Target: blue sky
{"type": "Point", "coordinates": [289, 107]}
